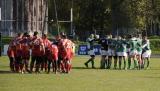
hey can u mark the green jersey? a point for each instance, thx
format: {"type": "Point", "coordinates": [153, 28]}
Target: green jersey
{"type": "Point", "coordinates": [139, 45]}
{"type": "Point", "coordinates": [113, 44]}
{"type": "Point", "coordinates": [122, 46]}
{"type": "Point", "coordinates": [133, 44]}
{"type": "Point", "coordinates": [146, 45]}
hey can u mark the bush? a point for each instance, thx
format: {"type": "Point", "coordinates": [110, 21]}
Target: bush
{"type": "Point", "coordinates": [154, 37]}
{"type": "Point", "coordinates": [155, 43]}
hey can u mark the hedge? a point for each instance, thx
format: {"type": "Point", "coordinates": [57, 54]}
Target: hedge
{"type": "Point", "coordinates": [155, 43]}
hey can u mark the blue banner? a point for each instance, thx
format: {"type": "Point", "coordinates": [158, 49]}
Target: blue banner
{"type": "Point", "coordinates": [83, 50]}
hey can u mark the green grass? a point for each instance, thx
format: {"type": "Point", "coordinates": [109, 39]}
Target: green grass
{"type": "Point", "coordinates": [81, 79]}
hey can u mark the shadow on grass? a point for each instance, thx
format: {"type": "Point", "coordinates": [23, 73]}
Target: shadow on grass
{"type": "Point", "coordinates": [151, 77]}
{"type": "Point", "coordinates": [5, 72]}
{"type": "Point", "coordinates": [83, 68]}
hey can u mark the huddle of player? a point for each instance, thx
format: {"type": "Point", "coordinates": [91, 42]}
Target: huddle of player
{"type": "Point", "coordinates": [135, 49]}
{"type": "Point", "coordinates": [44, 54]}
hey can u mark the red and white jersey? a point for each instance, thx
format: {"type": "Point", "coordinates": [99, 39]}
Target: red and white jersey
{"type": "Point", "coordinates": [10, 52]}
{"type": "Point", "coordinates": [66, 43]}
{"type": "Point", "coordinates": [54, 52]}
{"type": "Point", "coordinates": [25, 44]}
{"type": "Point", "coordinates": [54, 49]}
{"type": "Point", "coordinates": [37, 46]}
{"type": "Point", "coordinates": [17, 42]}
{"type": "Point", "coordinates": [46, 43]}
{"type": "Point", "coordinates": [69, 44]}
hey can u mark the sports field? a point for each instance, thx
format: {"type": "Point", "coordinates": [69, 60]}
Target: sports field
{"type": "Point", "coordinates": [81, 79]}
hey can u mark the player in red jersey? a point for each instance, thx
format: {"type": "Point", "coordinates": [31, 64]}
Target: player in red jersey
{"type": "Point", "coordinates": [26, 52]}
{"type": "Point", "coordinates": [58, 42]}
{"type": "Point", "coordinates": [18, 52]}
{"type": "Point", "coordinates": [66, 47]}
{"type": "Point", "coordinates": [37, 52]}
{"type": "Point", "coordinates": [10, 53]}
{"type": "Point", "coordinates": [46, 43]}
{"type": "Point", "coordinates": [53, 57]}
{"type": "Point", "coordinates": [70, 53]}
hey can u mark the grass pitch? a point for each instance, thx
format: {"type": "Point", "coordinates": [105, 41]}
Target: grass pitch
{"type": "Point", "coordinates": [81, 79]}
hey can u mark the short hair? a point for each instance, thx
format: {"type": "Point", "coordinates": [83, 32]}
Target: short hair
{"type": "Point", "coordinates": [19, 34]}
{"type": "Point", "coordinates": [35, 33]}
{"type": "Point", "coordinates": [25, 34]}
{"type": "Point", "coordinates": [45, 35]}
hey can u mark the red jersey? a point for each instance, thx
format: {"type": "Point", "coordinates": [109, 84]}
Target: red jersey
{"type": "Point", "coordinates": [37, 46]}
{"type": "Point", "coordinates": [10, 52]}
{"type": "Point", "coordinates": [25, 44]}
{"type": "Point", "coordinates": [53, 52]}
{"type": "Point", "coordinates": [66, 46]}
{"type": "Point", "coordinates": [25, 47]}
{"type": "Point", "coordinates": [17, 43]}
{"type": "Point", "coordinates": [46, 43]}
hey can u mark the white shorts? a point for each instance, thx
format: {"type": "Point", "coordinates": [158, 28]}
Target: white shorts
{"type": "Point", "coordinates": [91, 52]}
{"type": "Point", "coordinates": [147, 54]}
{"type": "Point", "coordinates": [133, 53]}
{"type": "Point", "coordinates": [122, 54]}
{"type": "Point", "coordinates": [139, 52]}
{"type": "Point", "coordinates": [104, 52]}
{"type": "Point", "coordinates": [111, 52]}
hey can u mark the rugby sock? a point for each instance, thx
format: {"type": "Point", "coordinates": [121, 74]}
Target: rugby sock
{"type": "Point", "coordinates": [109, 64]}
{"type": "Point", "coordinates": [70, 66]}
{"type": "Point", "coordinates": [45, 67]}
{"type": "Point", "coordinates": [62, 67]}
{"type": "Point", "coordinates": [115, 64]}
{"type": "Point", "coordinates": [120, 62]}
{"type": "Point", "coordinates": [26, 66]}
{"type": "Point", "coordinates": [89, 61]}
{"type": "Point", "coordinates": [135, 63]}
{"type": "Point", "coordinates": [148, 63]}
{"type": "Point", "coordinates": [21, 67]}
{"type": "Point", "coordinates": [67, 67]}
{"type": "Point", "coordinates": [102, 66]}
{"type": "Point", "coordinates": [124, 64]}
{"type": "Point", "coordinates": [129, 63]}
{"type": "Point", "coordinates": [92, 62]}
{"type": "Point", "coordinates": [49, 63]}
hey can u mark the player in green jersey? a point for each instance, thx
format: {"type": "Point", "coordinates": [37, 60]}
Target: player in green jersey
{"type": "Point", "coordinates": [132, 52]}
{"type": "Point", "coordinates": [112, 52]}
{"type": "Point", "coordinates": [122, 51]}
{"type": "Point", "coordinates": [139, 51]}
{"type": "Point", "coordinates": [146, 51]}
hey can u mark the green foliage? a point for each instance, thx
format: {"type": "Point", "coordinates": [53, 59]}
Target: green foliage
{"type": "Point", "coordinates": [154, 37]}
{"type": "Point", "coordinates": [107, 15]}
{"type": "Point", "coordinates": [155, 44]}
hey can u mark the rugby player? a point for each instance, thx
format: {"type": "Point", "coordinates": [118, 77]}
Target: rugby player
{"type": "Point", "coordinates": [122, 51]}
{"type": "Point", "coordinates": [104, 49]}
{"type": "Point", "coordinates": [38, 51]}
{"type": "Point", "coordinates": [132, 52]}
{"type": "Point", "coordinates": [139, 51]}
{"type": "Point", "coordinates": [146, 52]}
{"type": "Point", "coordinates": [26, 52]}
{"type": "Point", "coordinates": [52, 57]}
{"type": "Point", "coordinates": [47, 44]}
{"type": "Point", "coordinates": [18, 52]}
{"type": "Point", "coordinates": [91, 51]}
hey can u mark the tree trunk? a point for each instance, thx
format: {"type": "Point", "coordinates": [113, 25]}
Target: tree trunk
{"type": "Point", "coordinates": [23, 16]}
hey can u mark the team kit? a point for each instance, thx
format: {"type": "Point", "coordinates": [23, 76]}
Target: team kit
{"type": "Point", "coordinates": [44, 54]}
{"type": "Point", "coordinates": [133, 51]}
